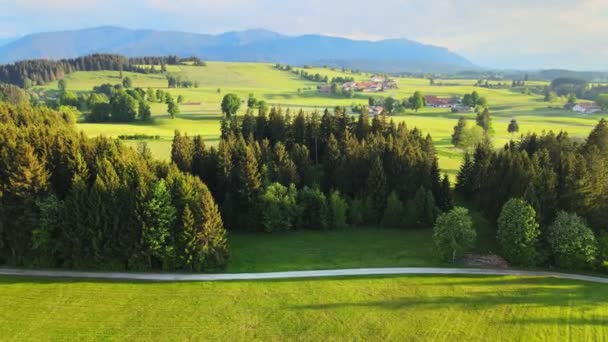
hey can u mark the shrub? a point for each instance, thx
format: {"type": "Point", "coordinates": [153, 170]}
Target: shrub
{"type": "Point", "coordinates": [314, 208]}
{"type": "Point", "coordinates": [337, 211]}
{"type": "Point", "coordinates": [356, 212]}
{"type": "Point", "coordinates": [279, 208]}
{"type": "Point", "coordinates": [518, 232]}
{"type": "Point", "coordinates": [572, 242]}
{"type": "Point", "coordinates": [393, 214]}
{"type": "Point", "coordinates": [454, 234]}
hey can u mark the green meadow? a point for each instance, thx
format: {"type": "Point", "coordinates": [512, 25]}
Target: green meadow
{"type": "Point", "coordinates": [414, 308]}
{"type": "Point", "coordinates": [200, 114]}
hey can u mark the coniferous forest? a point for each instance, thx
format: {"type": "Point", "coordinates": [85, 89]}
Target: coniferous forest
{"type": "Point", "coordinates": [41, 71]}
{"type": "Point", "coordinates": [74, 202]}
{"type": "Point", "coordinates": [77, 202]}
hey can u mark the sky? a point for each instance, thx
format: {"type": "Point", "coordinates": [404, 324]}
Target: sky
{"type": "Point", "coordinates": [524, 34]}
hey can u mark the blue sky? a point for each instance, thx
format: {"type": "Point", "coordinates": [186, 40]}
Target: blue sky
{"type": "Point", "coordinates": [508, 34]}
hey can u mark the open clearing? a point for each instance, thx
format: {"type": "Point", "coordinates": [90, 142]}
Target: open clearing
{"type": "Point", "coordinates": [369, 308]}
{"type": "Point", "coordinates": [289, 91]}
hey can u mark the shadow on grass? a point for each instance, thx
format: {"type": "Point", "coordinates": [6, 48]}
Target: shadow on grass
{"type": "Point", "coordinates": [542, 294]}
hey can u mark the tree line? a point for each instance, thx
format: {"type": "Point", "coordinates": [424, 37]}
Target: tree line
{"type": "Point", "coordinates": [279, 171]}
{"type": "Point", "coordinates": [38, 72]}
{"type": "Point", "coordinates": [70, 201]}
{"type": "Point", "coordinates": [560, 187]}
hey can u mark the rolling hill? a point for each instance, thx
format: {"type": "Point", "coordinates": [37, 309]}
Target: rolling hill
{"type": "Point", "coordinates": [393, 55]}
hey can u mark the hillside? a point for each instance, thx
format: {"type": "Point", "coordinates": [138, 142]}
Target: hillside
{"type": "Point", "coordinates": [392, 55]}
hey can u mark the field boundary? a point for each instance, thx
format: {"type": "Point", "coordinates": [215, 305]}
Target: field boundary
{"type": "Point", "coordinates": [179, 277]}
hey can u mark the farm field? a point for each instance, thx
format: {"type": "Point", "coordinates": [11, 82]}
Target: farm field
{"type": "Point", "coordinates": [368, 308]}
{"type": "Point", "coordinates": [201, 112]}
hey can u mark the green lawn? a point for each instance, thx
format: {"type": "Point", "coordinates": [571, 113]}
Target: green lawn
{"type": "Point", "coordinates": [288, 90]}
{"type": "Point", "coordinates": [445, 308]}
{"type": "Point", "coordinates": [310, 250]}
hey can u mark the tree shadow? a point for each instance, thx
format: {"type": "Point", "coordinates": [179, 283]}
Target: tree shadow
{"type": "Point", "coordinates": [534, 292]}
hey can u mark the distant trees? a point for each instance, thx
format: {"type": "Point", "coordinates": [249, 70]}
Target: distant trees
{"type": "Point", "coordinates": [127, 82]}
{"type": "Point", "coordinates": [38, 72]}
{"type": "Point", "coordinates": [474, 100]}
{"type": "Point", "coordinates": [416, 101]}
{"type": "Point", "coordinates": [13, 94]}
{"type": "Point", "coordinates": [172, 106]}
{"type": "Point", "coordinates": [230, 105]}
{"type": "Point", "coordinates": [484, 120]}
{"type": "Point", "coordinates": [62, 85]}
{"type": "Point", "coordinates": [513, 127]}
{"type": "Point", "coordinates": [454, 234]}
{"type": "Point", "coordinates": [458, 131]}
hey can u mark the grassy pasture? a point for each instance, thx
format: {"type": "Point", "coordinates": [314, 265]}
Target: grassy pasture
{"type": "Point", "coordinates": [446, 308]}
{"type": "Point", "coordinates": [283, 88]}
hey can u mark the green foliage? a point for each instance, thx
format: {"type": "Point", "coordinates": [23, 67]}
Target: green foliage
{"type": "Point", "coordinates": [484, 120]}
{"type": "Point", "coordinates": [376, 191]}
{"type": "Point", "coordinates": [279, 208]}
{"type": "Point", "coordinates": [159, 217]}
{"type": "Point", "coordinates": [426, 211]}
{"type": "Point", "coordinates": [172, 106]}
{"type": "Point", "coordinates": [127, 82]}
{"type": "Point", "coordinates": [314, 209]}
{"type": "Point", "coordinates": [454, 234]}
{"type": "Point", "coordinates": [458, 131]}
{"type": "Point", "coordinates": [230, 105]}
{"type": "Point", "coordinates": [416, 101]}
{"type": "Point", "coordinates": [513, 127]}
{"type": "Point", "coordinates": [124, 107]}
{"type": "Point", "coordinates": [338, 209]}
{"type": "Point", "coordinates": [572, 242]}
{"type": "Point", "coordinates": [356, 212]}
{"type": "Point", "coordinates": [471, 137]}
{"type": "Point", "coordinates": [518, 232]}
{"type": "Point", "coordinates": [602, 101]}
{"type": "Point", "coordinates": [393, 214]}
{"type": "Point", "coordinates": [144, 110]}
{"type": "Point", "coordinates": [13, 94]}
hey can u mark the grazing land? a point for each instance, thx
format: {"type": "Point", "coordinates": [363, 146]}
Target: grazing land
{"type": "Point", "coordinates": [376, 308]}
{"type": "Point", "coordinates": [201, 112]}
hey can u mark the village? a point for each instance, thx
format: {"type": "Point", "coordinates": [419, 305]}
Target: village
{"type": "Point", "coordinates": [375, 84]}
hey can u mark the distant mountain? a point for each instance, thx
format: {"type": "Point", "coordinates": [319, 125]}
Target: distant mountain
{"type": "Point", "coordinates": [393, 55]}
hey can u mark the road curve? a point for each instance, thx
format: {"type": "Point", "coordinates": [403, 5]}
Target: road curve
{"type": "Point", "coordinates": [173, 277]}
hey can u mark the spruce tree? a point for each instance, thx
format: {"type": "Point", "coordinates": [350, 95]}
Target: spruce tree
{"type": "Point", "coordinates": [458, 129]}
{"type": "Point", "coordinates": [376, 191]}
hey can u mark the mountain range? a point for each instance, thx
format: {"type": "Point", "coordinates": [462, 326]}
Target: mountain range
{"type": "Point", "coordinates": [392, 55]}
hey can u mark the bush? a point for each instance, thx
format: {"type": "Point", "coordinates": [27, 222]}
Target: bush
{"type": "Point", "coordinates": [279, 208]}
{"type": "Point", "coordinates": [518, 232]}
{"type": "Point", "coordinates": [356, 212]}
{"type": "Point", "coordinates": [393, 214]}
{"type": "Point", "coordinates": [314, 209]}
{"type": "Point", "coordinates": [337, 211]}
{"type": "Point", "coordinates": [572, 242]}
{"type": "Point", "coordinates": [454, 234]}
{"type": "Point", "coordinates": [603, 251]}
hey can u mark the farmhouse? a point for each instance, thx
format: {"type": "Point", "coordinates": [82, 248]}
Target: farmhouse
{"type": "Point", "coordinates": [436, 102]}
{"type": "Point", "coordinates": [324, 88]}
{"type": "Point", "coordinates": [586, 108]}
{"type": "Point", "coordinates": [376, 110]}
{"type": "Point", "coordinates": [460, 109]}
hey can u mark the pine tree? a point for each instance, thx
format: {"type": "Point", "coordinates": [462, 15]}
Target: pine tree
{"type": "Point", "coordinates": [27, 183]}
{"type": "Point", "coordinates": [376, 191]}
{"type": "Point", "coordinates": [187, 240]}
{"type": "Point", "coordinates": [182, 152]}
{"type": "Point", "coordinates": [393, 214]}
{"type": "Point", "coordinates": [331, 162]}
{"type": "Point", "coordinates": [445, 202]}
{"type": "Point", "coordinates": [458, 129]}
{"type": "Point", "coordinates": [484, 120]}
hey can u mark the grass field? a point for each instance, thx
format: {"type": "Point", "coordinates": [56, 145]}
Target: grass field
{"type": "Point", "coordinates": [285, 89]}
{"type": "Point", "coordinates": [418, 308]}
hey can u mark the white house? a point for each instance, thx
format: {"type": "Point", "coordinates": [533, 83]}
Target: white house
{"type": "Point", "coordinates": [586, 108]}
